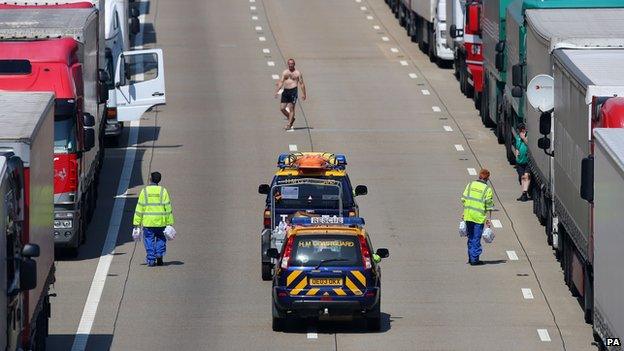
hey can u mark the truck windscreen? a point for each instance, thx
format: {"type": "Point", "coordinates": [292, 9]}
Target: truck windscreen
{"type": "Point", "coordinates": [15, 67]}
{"type": "Point", "coordinates": [65, 137]}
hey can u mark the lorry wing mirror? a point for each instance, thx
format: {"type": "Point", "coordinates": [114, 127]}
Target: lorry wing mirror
{"type": "Point", "coordinates": [88, 120]}
{"type": "Point", "coordinates": [517, 92]}
{"type": "Point", "coordinates": [453, 31]}
{"type": "Point", "coordinates": [30, 250]}
{"type": "Point", "coordinates": [264, 189]}
{"type": "Point", "coordinates": [103, 76]}
{"type": "Point", "coordinates": [543, 143]}
{"type": "Point", "coordinates": [516, 75]}
{"type": "Point", "coordinates": [89, 138]}
{"type": "Point", "coordinates": [103, 92]}
{"type": "Point", "coordinates": [587, 179]}
{"type": "Point", "coordinates": [544, 123]}
{"type": "Point", "coordinates": [499, 61]}
{"type": "Point", "coordinates": [361, 190]}
{"type": "Point", "coordinates": [135, 26]}
{"type": "Point", "coordinates": [121, 71]}
{"type": "Point", "coordinates": [272, 253]}
{"type": "Point", "coordinates": [500, 46]}
{"type": "Point", "coordinates": [28, 274]}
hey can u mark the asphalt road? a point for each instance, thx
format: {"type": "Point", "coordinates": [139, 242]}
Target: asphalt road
{"type": "Point", "coordinates": [373, 96]}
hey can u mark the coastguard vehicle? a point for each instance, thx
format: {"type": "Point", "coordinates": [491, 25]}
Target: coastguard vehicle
{"type": "Point", "coordinates": [310, 183]}
{"type": "Point", "coordinates": [327, 268]}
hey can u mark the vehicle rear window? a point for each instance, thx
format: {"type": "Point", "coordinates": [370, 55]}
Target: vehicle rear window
{"type": "Point", "coordinates": [311, 250]}
{"type": "Point", "coordinates": [317, 200]}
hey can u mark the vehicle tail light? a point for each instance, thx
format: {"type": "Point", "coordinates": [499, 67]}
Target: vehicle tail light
{"type": "Point", "coordinates": [111, 113]}
{"type": "Point", "coordinates": [287, 252]}
{"type": "Point", "coordinates": [326, 298]}
{"type": "Point", "coordinates": [282, 294]}
{"type": "Point", "coordinates": [267, 219]}
{"type": "Point", "coordinates": [365, 253]}
{"type": "Point", "coordinates": [370, 293]}
{"type": "Point", "coordinates": [73, 175]}
{"type": "Point", "coordinates": [351, 213]}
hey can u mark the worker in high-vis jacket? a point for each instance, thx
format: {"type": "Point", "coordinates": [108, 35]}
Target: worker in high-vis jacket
{"type": "Point", "coordinates": [153, 213]}
{"type": "Point", "coordinates": [477, 200]}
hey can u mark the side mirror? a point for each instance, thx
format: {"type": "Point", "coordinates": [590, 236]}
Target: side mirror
{"type": "Point", "coordinates": [89, 138]}
{"type": "Point", "coordinates": [264, 189]}
{"type": "Point", "coordinates": [587, 179]}
{"type": "Point", "coordinates": [500, 46]}
{"type": "Point", "coordinates": [88, 120]}
{"type": "Point", "coordinates": [543, 143]}
{"type": "Point", "coordinates": [122, 71]}
{"type": "Point", "coordinates": [135, 26]}
{"type": "Point", "coordinates": [516, 75]}
{"type": "Point", "coordinates": [28, 273]}
{"type": "Point", "coordinates": [272, 253]}
{"type": "Point", "coordinates": [517, 91]}
{"type": "Point", "coordinates": [103, 92]}
{"type": "Point", "coordinates": [383, 253]}
{"type": "Point", "coordinates": [453, 31]}
{"type": "Point", "coordinates": [544, 123]}
{"type": "Point", "coordinates": [499, 61]}
{"type": "Point", "coordinates": [134, 12]}
{"type": "Point", "coordinates": [361, 190]}
{"type": "Point", "coordinates": [30, 250]}
{"type": "Point", "coordinates": [103, 76]}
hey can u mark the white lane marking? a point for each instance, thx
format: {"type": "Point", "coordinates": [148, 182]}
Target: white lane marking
{"type": "Point", "coordinates": [370, 18]}
{"type": "Point", "coordinates": [312, 334]}
{"type": "Point", "coordinates": [292, 147]}
{"type": "Point", "coordinates": [254, 18]}
{"type": "Point", "coordinates": [395, 50]}
{"type": "Point", "coordinates": [262, 38]}
{"type": "Point", "coordinates": [472, 171]}
{"type": "Point", "coordinates": [543, 335]}
{"type": "Point", "coordinates": [252, 8]}
{"type": "Point", "coordinates": [527, 293]}
{"type": "Point", "coordinates": [270, 63]}
{"type": "Point", "coordinates": [275, 76]}
{"type": "Point", "coordinates": [108, 250]}
{"type": "Point", "coordinates": [436, 108]}
{"type": "Point", "coordinates": [363, 8]}
{"type": "Point", "coordinates": [425, 92]}
{"type": "Point", "coordinates": [512, 255]}
{"type": "Point", "coordinates": [459, 147]}
{"type": "Point", "coordinates": [413, 75]}
{"type": "Point", "coordinates": [385, 38]}
{"type": "Point", "coordinates": [448, 128]}
{"type": "Point", "coordinates": [496, 223]}
{"type": "Point", "coordinates": [376, 27]}
{"type": "Point", "coordinates": [258, 28]}
{"type": "Point", "coordinates": [266, 51]}
{"type": "Point", "coordinates": [358, 1]}
{"type": "Point", "coordinates": [403, 63]}
{"type": "Point", "coordinates": [252, 0]}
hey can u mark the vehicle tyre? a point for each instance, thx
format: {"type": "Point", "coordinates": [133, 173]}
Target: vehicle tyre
{"type": "Point", "coordinates": [431, 50]}
{"type": "Point", "coordinates": [373, 318]}
{"type": "Point", "coordinates": [462, 79]}
{"type": "Point", "coordinates": [267, 273]}
{"type": "Point", "coordinates": [412, 32]}
{"type": "Point", "coordinates": [402, 11]}
{"type": "Point", "coordinates": [278, 321]}
{"type": "Point", "coordinates": [500, 136]}
{"type": "Point", "coordinates": [589, 296]}
{"type": "Point", "coordinates": [477, 102]}
{"type": "Point", "coordinates": [536, 201]}
{"type": "Point", "coordinates": [511, 158]}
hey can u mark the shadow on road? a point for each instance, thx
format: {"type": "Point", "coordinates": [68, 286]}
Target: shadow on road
{"type": "Point", "coordinates": [356, 326]}
{"type": "Point", "coordinates": [96, 342]}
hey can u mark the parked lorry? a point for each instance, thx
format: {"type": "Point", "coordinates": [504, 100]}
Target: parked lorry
{"type": "Point", "coordinates": [608, 200]}
{"type": "Point", "coordinates": [26, 176]}
{"type": "Point", "coordinates": [586, 96]}
{"type": "Point", "coordinates": [425, 21]}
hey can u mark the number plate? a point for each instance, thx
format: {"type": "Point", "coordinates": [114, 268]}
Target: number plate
{"type": "Point", "coordinates": [326, 281]}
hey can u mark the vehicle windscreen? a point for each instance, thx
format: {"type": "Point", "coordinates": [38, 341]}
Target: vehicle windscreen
{"type": "Point", "coordinates": [307, 197]}
{"type": "Point", "coordinates": [330, 202]}
{"type": "Point", "coordinates": [311, 250]}
{"type": "Point", "coordinates": [64, 134]}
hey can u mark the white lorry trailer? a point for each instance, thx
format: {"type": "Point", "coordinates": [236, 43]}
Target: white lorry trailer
{"type": "Point", "coordinates": [26, 143]}
{"type": "Point", "coordinates": [586, 96]}
{"type": "Point", "coordinates": [425, 21]}
{"type": "Point", "coordinates": [608, 174]}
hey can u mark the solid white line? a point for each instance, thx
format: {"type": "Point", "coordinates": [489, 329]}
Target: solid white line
{"type": "Point", "coordinates": [436, 108]}
{"type": "Point", "coordinates": [512, 255]}
{"type": "Point", "coordinates": [255, 18]}
{"type": "Point", "coordinates": [459, 147]}
{"type": "Point", "coordinates": [376, 27]}
{"type": "Point", "coordinates": [413, 75]}
{"type": "Point", "coordinates": [472, 171]}
{"type": "Point", "coordinates": [369, 18]}
{"type": "Point", "coordinates": [385, 38]}
{"type": "Point", "coordinates": [543, 335]}
{"type": "Point", "coordinates": [395, 50]}
{"type": "Point", "coordinates": [527, 293]}
{"type": "Point", "coordinates": [448, 128]}
{"type": "Point", "coordinates": [363, 8]}
{"type": "Point", "coordinates": [270, 63]}
{"type": "Point", "coordinates": [258, 28]}
{"type": "Point", "coordinates": [262, 38]}
{"type": "Point", "coordinates": [266, 51]}
{"type": "Point", "coordinates": [292, 147]}
{"type": "Point", "coordinates": [252, 8]}
{"type": "Point", "coordinates": [403, 63]}
{"type": "Point", "coordinates": [275, 76]}
{"type": "Point", "coordinates": [425, 92]}
{"type": "Point", "coordinates": [108, 250]}
{"type": "Point", "coordinates": [496, 223]}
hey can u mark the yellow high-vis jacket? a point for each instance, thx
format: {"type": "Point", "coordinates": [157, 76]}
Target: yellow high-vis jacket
{"type": "Point", "coordinates": [477, 200]}
{"type": "Point", "coordinates": [154, 208]}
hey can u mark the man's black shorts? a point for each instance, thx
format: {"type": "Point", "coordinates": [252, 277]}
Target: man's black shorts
{"type": "Point", "coordinates": [521, 169]}
{"type": "Point", "coordinates": [289, 96]}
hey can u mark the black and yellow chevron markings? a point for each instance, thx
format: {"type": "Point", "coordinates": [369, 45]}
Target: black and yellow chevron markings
{"type": "Point", "coordinates": [354, 285]}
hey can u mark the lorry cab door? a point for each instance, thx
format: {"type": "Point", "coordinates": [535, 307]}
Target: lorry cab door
{"type": "Point", "coordinates": [139, 83]}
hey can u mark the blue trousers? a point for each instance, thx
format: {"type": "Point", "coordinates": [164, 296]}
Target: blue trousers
{"type": "Point", "coordinates": [155, 243]}
{"type": "Point", "coordinates": [474, 231]}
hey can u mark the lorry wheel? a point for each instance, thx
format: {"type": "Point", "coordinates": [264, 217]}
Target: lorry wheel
{"type": "Point", "coordinates": [589, 295]}
{"type": "Point", "coordinates": [267, 273]}
{"type": "Point", "coordinates": [431, 49]}
{"type": "Point", "coordinates": [477, 102]}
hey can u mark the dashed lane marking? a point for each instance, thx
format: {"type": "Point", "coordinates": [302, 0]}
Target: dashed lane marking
{"type": "Point", "coordinates": [413, 75]}
{"type": "Point", "coordinates": [527, 293]}
{"type": "Point", "coordinates": [448, 128]}
{"type": "Point", "coordinates": [312, 335]}
{"type": "Point", "coordinates": [512, 255]}
{"type": "Point", "coordinates": [543, 335]}
{"type": "Point", "coordinates": [252, 8]}
{"type": "Point", "coordinates": [266, 51]}
{"type": "Point", "coordinates": [275, 76]}
{"type": "Point", "coordinates": [270, 63]}
{"type": "Point", "coordinates": [436, 108]}
{"type": "Point", "coordinates": [254, 18]}
{"type": "Point", "coordinates": [292, 147]}
{"type": "Point", "coordinates": [472, 171]}
{"type": "Point", "coordinates": [258, 28]}
{"type": "Point", "coordinates": [376, 27]}
{"type": "Point", "coordinates": [497, 223]}
{"type": "Point", "coordinates": [425, 92]}
{"type": "Point", "coordinates": [363, 8]}
{"type": "Point", "coordinates": [459, 147]}
{"type": "Point", "coordinates": [403, 63]}
{"type": "Point", "coordinates": [395, 50]}
{"type": "Point", "coordinates": [385, 38]}
{"type": "Point", "coordinates": [369, 18]}
{"type": "Point", "coordinates": [262, 38]}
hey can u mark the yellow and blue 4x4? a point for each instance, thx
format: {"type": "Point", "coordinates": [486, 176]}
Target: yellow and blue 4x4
{"type": "Point", "coordinates": [313, 183]}
{"type": "Point", "coordinates": [327, 268]}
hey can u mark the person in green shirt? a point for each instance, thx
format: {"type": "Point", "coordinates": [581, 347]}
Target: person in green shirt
{"type": "Point", "coordinates": [522, 159]}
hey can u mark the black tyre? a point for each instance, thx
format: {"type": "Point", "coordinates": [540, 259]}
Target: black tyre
{"type": "Point", "coordinates": [500, 136]}
{"type": "Point", "coordinates": [477, 103]}
{"type": "Point", "coordinates": [431, 49]}
{"type": "Point", "coordinates": [278, 320]}
{"type": "Point", "coordinates": [267, 273]}
{"type": "Point", "coordinates": [373, 318]}
{"type": "Point", "coordinates": [462, 79]}
{"type": "Point", "coordinates": [511, 158]}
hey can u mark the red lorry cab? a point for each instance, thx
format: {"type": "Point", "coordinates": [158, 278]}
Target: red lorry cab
{"type": "Point", "coordinates": [611, 114]}
{"type": "Point", "coordinates": [76, 5]}
{"type": "Point", "coordinates": [473, 43]}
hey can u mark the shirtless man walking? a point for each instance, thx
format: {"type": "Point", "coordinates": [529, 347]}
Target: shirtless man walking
{"type": "Point", "coordinates": [290, 81]}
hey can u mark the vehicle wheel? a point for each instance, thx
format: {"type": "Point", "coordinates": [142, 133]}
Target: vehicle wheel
{"type": "Point", "coordinates": [588, 297]}
{"type": "Point", "coordinates": [373, 319]}
{"type": "Point", "coordinates": [432, 46]}
{"type": "Point", "coordinates": [477, 102]}
{"type": "Point", "coordinates": [402, 16]}
{"type": "Point", "coordinates": [412, 30]}
{"type": "Point", "coordinates": [500, 137]}
{"type": "Point", "coordinates": [267, 273]}
{"type": "Point", "coordinates": [278, 322]}
{"type": "Point", "coordinates": [511, 158]}
{"type": "Point", "coordinates": [462, 79]}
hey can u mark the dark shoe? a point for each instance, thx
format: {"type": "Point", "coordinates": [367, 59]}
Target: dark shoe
{"type": "Point", "coordinates": [477, 263]}
{"type": "Point", "coordinates": [523, 198]}
{"type": "Point", "coordinates": [159, 261]}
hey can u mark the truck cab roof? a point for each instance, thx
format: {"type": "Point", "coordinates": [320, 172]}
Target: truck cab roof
{"type": "Point", "coordinates": [40, 24]}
